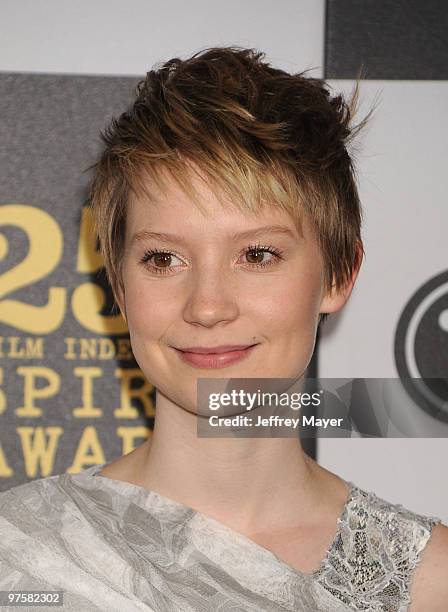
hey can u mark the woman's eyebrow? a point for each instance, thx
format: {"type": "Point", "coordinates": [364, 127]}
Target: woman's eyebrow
{"type": "Point", "coordinates": [268, 229]}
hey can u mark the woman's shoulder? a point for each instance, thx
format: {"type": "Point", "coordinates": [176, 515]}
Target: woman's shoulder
{"type": "Point", "coordinates": [21, 498]}
{"type": "Point", "coordinates": [46, 497]}
{"type": "Point", "coordinates": [42, 522]}
{"type": "Point", "coordinates": [366, 509]}
{"type": "Point", "coordinates": [45, 505]}
{"type": "Point", "coordinates": [28, 521]}
{"type": "Point", "coordinates": [30, 509]}
{"type": "Point", "coordinates": [394, 552]}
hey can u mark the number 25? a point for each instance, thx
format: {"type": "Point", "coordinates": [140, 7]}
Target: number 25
{"type": "Point", "coordinates": [44, 255]}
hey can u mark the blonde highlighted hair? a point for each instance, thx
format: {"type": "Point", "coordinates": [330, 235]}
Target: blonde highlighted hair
{"type": "Point", "coordinates": [257, 134]}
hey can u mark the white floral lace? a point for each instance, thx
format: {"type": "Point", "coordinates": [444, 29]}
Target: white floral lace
{"type": "Point", "coordinates": [371, 561]}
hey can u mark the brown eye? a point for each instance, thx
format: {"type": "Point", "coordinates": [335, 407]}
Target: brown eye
{"type": "Point", "coordinates": [255, 256]}
{"type": "Point", "coordinates": [159, 262]}
{"type": "Point", "coordinates": [162, 260]}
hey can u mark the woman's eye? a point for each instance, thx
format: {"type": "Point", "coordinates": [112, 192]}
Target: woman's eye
{"type": "Point", "coordinates": [162, 260]}
{"type": "Point", "coordinates": [159, 262]}
{"type": "Point", "coordinates": [257, 256]}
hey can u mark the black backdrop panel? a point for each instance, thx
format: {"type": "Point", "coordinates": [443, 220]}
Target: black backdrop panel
{"type": "Point", "coordinates": [392, 39]}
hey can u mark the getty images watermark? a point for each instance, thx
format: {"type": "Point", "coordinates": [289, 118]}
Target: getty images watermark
{"type": "Point", "coordinates": [323, 407]}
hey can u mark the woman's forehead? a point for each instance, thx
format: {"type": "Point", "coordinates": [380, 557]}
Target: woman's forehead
{"type": "Point", "coordinates": [177, 218]}
{"type": "Point", "coordinates": [169, 204]}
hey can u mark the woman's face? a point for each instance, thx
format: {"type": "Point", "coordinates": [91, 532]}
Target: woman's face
{"type": "Point", "coordinates": [210, 287]}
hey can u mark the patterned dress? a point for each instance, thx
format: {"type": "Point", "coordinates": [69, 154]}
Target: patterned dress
{"type": "Point", "coordinates": [114, 546]}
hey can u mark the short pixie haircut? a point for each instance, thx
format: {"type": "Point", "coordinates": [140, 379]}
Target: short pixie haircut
{"type": "Point", "coordinates": [258, 134]}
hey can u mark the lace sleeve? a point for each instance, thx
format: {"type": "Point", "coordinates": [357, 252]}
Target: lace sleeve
{"type": "Point", "coordinates": [379, 545]}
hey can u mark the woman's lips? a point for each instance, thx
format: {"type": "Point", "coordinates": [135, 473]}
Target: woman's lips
{"type": "Point", "coordinates": [214, 360]}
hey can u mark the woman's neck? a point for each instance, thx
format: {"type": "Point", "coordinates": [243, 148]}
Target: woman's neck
{"type": "Point", "coordinates": [249, 484]}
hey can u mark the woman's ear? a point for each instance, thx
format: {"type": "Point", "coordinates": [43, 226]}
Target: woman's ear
{"type": "Point", "coordinates": [334, 299]}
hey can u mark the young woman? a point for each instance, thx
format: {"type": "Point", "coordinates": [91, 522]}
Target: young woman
{"type": "Point", "coordinates": [229, 222]}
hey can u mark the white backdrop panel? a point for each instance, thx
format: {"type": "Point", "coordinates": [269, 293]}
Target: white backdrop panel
{"type": "Point", "coordinates": [402, 175]}
{"type": "Point", "coordinates": [126, 38]}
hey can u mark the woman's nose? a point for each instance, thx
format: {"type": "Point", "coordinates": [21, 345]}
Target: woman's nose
{"type": "Point", "coordinates": [212, 297]}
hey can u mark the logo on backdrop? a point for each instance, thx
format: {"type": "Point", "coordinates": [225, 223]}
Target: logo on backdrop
{"type": "Point", "coordinates": [421, 346]}
{"type": "Point", "coordinates": [71, 393]}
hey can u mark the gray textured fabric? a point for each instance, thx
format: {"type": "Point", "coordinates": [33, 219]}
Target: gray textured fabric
{"type": "Point", "coordinates": [115, 546]}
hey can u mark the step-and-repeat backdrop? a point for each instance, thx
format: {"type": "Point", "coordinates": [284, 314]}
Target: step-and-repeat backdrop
{"type": "Point", "coordinates": [71, 394]}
